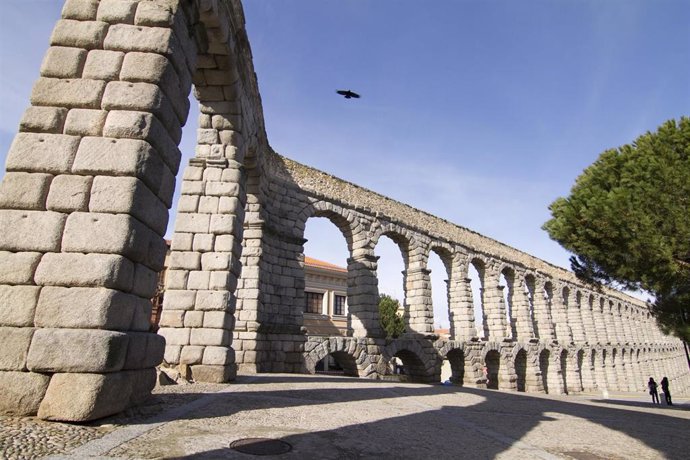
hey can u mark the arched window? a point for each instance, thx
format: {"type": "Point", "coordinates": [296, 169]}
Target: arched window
{"type": "Point", "coordinates": [475, 274]}
{"type": "Point", "coordinates": [439, 265]}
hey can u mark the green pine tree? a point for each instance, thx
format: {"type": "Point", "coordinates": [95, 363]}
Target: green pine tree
{"type": "Point", "coordinates": [627, 222]}
{"type": "Point", "coordinates": [391, 322]}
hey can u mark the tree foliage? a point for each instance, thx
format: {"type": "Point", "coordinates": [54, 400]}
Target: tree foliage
{"type": "Point", "coordinates": [627, 222]}
{"type": "Point", "coordinates": [391, 321]}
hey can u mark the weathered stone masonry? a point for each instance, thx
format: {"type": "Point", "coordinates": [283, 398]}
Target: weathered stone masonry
{"type": "Point", "coordinates": [85, 200]}
{"type": "Point", "coordinates": [84, 205]}
{"type": "Point", "coordinates": [544, 330]}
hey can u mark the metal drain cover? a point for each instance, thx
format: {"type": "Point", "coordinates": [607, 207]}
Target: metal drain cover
{"type": "Point", "coordinates": [261, 446]}
{"type": "Point", "coordinates": [583, 455]}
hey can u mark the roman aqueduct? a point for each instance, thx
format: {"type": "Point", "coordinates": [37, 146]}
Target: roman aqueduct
{"type": "Point", "coordinates": [90, 178]}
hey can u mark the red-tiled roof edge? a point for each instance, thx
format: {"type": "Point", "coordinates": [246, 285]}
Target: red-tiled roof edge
{"type": "Point", "coordinates": [310, 261]}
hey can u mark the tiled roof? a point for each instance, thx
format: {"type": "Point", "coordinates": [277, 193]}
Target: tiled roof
{"type": "Point", "coordinates": [309, 261]}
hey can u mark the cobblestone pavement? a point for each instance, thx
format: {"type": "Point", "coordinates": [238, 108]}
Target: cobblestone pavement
{"type": "Point", "coordinates": [329, 417]}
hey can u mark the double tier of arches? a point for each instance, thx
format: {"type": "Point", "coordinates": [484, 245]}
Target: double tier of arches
{"type": "Point", "coordinates": [511, 327]}
{"type": "Point", "coordinates": [487, 298]}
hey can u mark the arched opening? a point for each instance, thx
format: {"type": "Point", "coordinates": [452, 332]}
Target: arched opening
{"type": "Point", "coordinates": [530, 289]}
{"type": "Point", "coordinates": [493, 367]}
{"type": "Point", "coordinates": [622, 370]}
{"type": "Point", "coordinates": [391, 250]}
{"type": "Point", "coordinates": [409, 367]}
{"type": "Point", "coordinates": [507, 283]}
{"type": "Point", "coordinates": [578, 319]}
{"type": "Point", "coordinates": [580, 365]}
{"type": "Point", "coordinates": [544, 358]}
{"type": "Point", "coordinates": [337, 363]}
{"type": "Point", "coordinates": [521, 369]}
{"type": "Point", "coordinates": [590, 328]}
{"type": "Point", "coordinates": [563, 330]}
{"type": "Point", "coordinates": [456, 359]}
{"type": "Point", "coordinates": [548, 301]}
{"type": "Point", "coordinates": [439, 265]}
{"type": "Point", "coordinates": [603, 333]}
{"type": "Point", "coordinates": [326, 253]}
{"type": "Point", "coordinates": [475, 273]}
{"type": "Point", "coordinates": [564, 370]}
{"type": "Point", "coordinates": [596, 375]}
{"type": "Point", "coordinates": [612, 376]}
{"type": "Point", "coordinates": [611, 325]}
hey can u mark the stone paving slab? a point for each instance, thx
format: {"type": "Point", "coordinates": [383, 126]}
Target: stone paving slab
{"type": "Point", "coordinates": [330, 417]}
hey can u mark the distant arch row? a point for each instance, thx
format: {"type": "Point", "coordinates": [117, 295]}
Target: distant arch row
{"type": "Point", "coordinates": [532, 367]}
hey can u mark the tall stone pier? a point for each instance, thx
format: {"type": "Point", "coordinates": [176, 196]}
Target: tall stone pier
{"type": "Point", "coordinates": [84, 204]}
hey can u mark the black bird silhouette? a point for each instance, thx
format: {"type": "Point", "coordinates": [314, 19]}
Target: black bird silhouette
{"type": "Point", "coordinates": [348, 94]}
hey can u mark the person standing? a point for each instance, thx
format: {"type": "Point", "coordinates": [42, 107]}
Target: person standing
{"type": "Point", "coordinates": [653, 390]}
{"type": "Point", "coordinates": [667, 393]}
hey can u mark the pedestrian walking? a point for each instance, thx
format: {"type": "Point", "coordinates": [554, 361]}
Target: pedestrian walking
{"type": "Point", "coordinates": [653, 390]}
{"type": "Point", "coordinates": [667, 392]}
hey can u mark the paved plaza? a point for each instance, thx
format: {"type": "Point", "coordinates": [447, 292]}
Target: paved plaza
{"type": "Point", "coordinates": [330, 417]}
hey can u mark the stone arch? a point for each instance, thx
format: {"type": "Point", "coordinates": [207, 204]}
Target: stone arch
{"type": "Point", "coordinates": [101, 143]}
{"type": "Point", "coordinates": [602, 330]}
{"type": "Point", "coordinates": [445, 255]}
{"type": "Point", "coordinates": [401, 236]}
{"type": "Point", "coordinates": [347, 224]}
{"type": "Point", "coordinates": [595, 369]}
{"type": "Point", "coordinates": [421, 362]}
{"type": "Point", "coordinates": [562, 311]}
{"type": "Point", "coordinates": [576, 318]}
{"type": "Point", "coordinates": [619, 322]}
{"type": "Point", "coordinates": [612, 368]}
{"type": "Point", "coordinates": [544, 367]}
{"type": "Point", "coordinates": [563, 358]}
{"type": "Point", "coordinates": [580, 365]}
{"type": "Point", "coordinates": [454, 352]}
{"type": "Point", "coordinates": [531, 292]}
{"type": "Point", "coordinates": [480, 265]}
{"type": "Point", "coordinates": [548, 292]}
{"type": "Point", "coordinates": [520, 364]}
{"type": "Point", "coordinates": [591, 320]}
{"type": "Point", "coordinates": [348, 353]}
{"type": "Point", "coordinates": [623, 368]}
{"type": "Point", "coordinates": [507, 273]}
{"type": "Point", "coordinates": [493, 369]}
{"type": "Point", "coordinates": [632, 369]}
{"type": "Point", "coordinates": [499, 369]}
{"type": "Point", "coordinates": [344, 220]}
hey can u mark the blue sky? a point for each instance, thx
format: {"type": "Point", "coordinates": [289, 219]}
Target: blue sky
{"type": "Point", "coordinates": [480, 112]}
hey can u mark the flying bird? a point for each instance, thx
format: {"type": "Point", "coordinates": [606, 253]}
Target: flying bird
{"type": "Point", "coordinates": [348, 94]}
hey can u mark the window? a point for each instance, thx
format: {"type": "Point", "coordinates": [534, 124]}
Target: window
{"type": "Point", "coordinates": [314, 302]}
{"type": "Point", "coordinates": [339, 305]}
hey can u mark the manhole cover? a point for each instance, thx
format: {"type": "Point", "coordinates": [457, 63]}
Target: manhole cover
{"type": "Point", "coordinates": [261, 446]}
{"type": "Point", "coordinates": [584, 455]}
